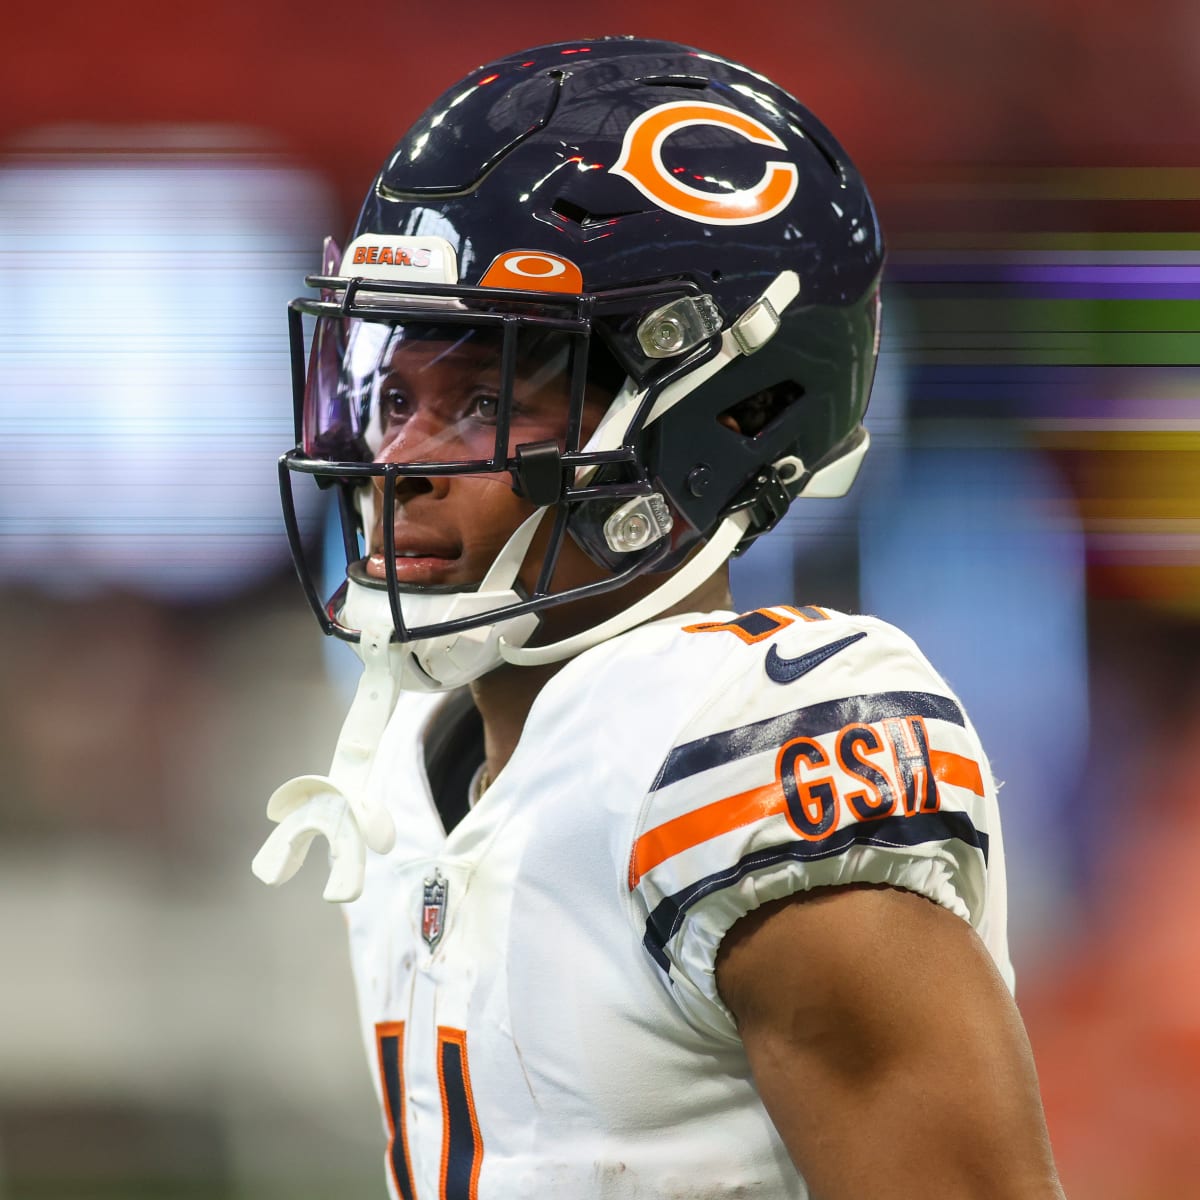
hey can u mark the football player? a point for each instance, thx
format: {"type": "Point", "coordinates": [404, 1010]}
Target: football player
{"type": "Point", "coordinates": [645, 897]}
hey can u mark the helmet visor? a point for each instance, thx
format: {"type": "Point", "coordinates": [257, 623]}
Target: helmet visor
{"type": "Point", "coordinates": [437, 394]}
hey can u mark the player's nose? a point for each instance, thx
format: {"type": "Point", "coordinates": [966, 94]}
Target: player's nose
{"type": "Point", "coordinates": [408, 487]}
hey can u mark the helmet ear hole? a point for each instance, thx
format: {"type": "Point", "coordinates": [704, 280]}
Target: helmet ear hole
{"type": "Point", "coordinates": [761, 412]}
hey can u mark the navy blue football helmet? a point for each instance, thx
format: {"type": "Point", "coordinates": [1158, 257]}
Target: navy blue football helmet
{"type": "Point", "coordinates": [668, 271]}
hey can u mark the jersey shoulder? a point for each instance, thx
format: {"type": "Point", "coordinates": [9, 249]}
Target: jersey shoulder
{"type": "Point", "coordinates": [822, 749]}
{"type": "Point", "coordinates": [785, 656]}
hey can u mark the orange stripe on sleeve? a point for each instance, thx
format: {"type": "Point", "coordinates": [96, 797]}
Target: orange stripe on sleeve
{"type": "Point", "coordinates": [692, 828]}
{"type": "Point", "coordinates": [956, 770]}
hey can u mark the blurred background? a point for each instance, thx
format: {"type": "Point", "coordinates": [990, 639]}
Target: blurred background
{"type": "Point", "coordinates": [1030, 512]}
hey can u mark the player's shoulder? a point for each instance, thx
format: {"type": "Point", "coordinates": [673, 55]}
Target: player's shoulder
{"type": "Point", "coordinates": [785, 655]}
{"type": "Point", "coordinates": [785, 675]}
{"type": "Point", "coordinates": [718, 675]}
{"type": "Point", "coordinates": [699, 642]}
{"type": "Point", "coordinates": [823, 749]}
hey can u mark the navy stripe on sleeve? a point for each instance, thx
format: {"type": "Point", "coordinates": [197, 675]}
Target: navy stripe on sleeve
{"type": "Point", "coordinates": [707, 752]}
{"type": "Point", "coordinates": [665, 921]}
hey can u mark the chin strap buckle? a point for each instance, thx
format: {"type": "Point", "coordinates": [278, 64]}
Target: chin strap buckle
{"type": "Point", "coordinates": [766, 498]}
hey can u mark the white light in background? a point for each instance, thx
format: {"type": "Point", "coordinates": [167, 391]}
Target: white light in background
{"type": "Point", "coordinates": [144, 382]}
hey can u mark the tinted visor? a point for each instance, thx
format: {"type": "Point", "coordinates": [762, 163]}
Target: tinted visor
{"type": "Point", "coordinates": [428, 394]}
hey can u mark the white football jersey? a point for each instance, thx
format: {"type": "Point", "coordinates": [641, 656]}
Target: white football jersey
{"type": "Point", "coordinates": [537, 987]}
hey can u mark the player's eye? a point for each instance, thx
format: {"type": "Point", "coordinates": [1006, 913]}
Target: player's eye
{"type": "Point", "coordinates": [393, 402]}
{"type": "Point", "coordinates": [484, 406]}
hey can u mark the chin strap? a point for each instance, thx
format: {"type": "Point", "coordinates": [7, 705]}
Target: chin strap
{"type": "Point", "coordinates": [750, 332]}
{"type": "Point", "coordinates": [457, 658]}
{"type": "Point", "coordinates": [335, 805]}
{"type": "Point", "coordinates": [676, 586]}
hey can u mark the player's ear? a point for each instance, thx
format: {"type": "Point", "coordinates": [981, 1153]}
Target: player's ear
{"type": "Point", "coordinates": [730, 422]}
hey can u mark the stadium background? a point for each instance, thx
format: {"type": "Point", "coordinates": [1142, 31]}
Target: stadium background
{"type": "Point", "coordinates": [1031, 513]}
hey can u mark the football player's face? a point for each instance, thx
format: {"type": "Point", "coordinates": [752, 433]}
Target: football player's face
{"type": "Point", "coordinates": [438, 401]}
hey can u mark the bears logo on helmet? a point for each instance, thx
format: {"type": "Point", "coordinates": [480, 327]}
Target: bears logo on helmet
{"type": "Point", "coordinates": [642, 164]}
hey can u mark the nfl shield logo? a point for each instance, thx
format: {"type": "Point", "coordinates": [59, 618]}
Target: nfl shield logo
{"type": "Point", "coordinates": [433, 909]}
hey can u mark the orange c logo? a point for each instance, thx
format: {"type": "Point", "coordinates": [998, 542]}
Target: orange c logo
{"type": "Point", "coordinates": [641, 163]}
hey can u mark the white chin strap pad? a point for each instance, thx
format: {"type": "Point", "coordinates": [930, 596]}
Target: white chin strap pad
{"type": "Point", "coordinates": [439, 664]}
{"type": "Point", "coordinates": [458, 658]}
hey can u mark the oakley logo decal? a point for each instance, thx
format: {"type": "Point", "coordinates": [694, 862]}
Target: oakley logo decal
{"type": "Point", "coordinates": [787, 670]}
{"type": "Point", "coordinates": [535, 266]}
{"type": "Point", "coordinates": [533, 271]}
{"type": "Point", "coordinates": [641, 163]}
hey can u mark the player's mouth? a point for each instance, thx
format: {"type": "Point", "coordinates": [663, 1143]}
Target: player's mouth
{"type": "Point", "coordinates": [417, 564]}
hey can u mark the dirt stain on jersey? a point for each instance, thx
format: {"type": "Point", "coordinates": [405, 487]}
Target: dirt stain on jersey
{"type": "Point", "coordinates": [614, 1181]}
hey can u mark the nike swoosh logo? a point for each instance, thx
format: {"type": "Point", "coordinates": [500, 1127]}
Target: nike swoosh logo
{"type": "Point", "coordinates": [787, 670]}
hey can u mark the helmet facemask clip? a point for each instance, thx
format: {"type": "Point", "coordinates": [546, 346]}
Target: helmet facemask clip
{"type": "Point", "coordinates": [539, 474]}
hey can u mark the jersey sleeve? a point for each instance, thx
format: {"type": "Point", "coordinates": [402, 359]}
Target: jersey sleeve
{"type": "Point", "coordinates": [828, 752]}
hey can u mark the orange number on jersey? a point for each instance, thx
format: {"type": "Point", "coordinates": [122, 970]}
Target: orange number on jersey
{"type": "Point", "coordinates": [762, 623]}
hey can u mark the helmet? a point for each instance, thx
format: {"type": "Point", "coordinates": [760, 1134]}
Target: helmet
{"type": "Point", "coordinates": [669, 271]}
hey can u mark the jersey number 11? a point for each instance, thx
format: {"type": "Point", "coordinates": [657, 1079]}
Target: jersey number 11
{"type": "Point", "coordinates": [462, 1146]}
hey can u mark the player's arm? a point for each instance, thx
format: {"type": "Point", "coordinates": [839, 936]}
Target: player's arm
{"type": "Point", "coordinates": [887, 1049]}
